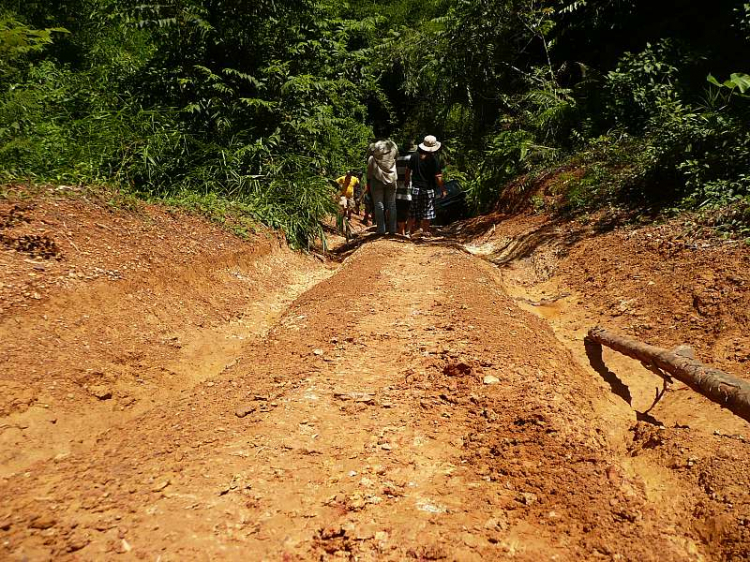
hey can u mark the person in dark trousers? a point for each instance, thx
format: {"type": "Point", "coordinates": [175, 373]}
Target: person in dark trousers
{"type": "Point", "coordinates": [366, 196]}
{"type": "Point", "coordinates": [403, 191]}
{"type": "Point", "coordinates": [382, 177]}
{"type": "Point", "coordinates": [425, 171]}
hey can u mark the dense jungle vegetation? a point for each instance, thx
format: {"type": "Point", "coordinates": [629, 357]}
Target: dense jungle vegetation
{"type": "Point", "coordinates": [249, 106]}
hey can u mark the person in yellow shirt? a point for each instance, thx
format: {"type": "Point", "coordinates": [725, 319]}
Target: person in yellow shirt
{"type": "Point", "coordinates": [348, 184]}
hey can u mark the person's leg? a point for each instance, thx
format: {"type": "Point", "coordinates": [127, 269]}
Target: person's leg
{"type": "Point", "coordinates": [357, 199]}
{"type": "Point", "coordinates": [402, 215]}
{"type": "Point", "coordinates": [341, 218]}
{"type": "Point", "coordinates": [411, 224]}
{"type": "Point", "coordinates": [368, 208]}
{"type": "Point", "coordinates": [378, 194]}
{"type": "Point", "coordinates": [390, 205]}
{"type": "Point", "coordinates": [428, 213]}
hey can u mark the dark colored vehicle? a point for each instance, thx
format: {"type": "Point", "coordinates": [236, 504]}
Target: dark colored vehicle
{"type": "Point", "coordinates": [452, 207]}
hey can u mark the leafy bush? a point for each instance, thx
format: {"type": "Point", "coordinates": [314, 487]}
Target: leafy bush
{"type": "Point", "coordinates": [256, 103]}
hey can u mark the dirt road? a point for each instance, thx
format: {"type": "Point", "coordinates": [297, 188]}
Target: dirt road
{"type": "Point", "coordinates": [404, 408]}
{"type": "Point", "coordinates": [415, 403]}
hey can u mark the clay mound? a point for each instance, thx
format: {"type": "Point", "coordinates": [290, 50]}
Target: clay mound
{"type": "Point", "coordinates": [138, 305]}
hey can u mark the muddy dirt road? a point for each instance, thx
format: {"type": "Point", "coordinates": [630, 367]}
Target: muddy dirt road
{"type": "Point", "coordinates": [404, 407]}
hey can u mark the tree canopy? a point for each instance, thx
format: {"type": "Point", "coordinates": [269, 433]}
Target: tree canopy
{"type": "Point", "coordinates": [260, 102]}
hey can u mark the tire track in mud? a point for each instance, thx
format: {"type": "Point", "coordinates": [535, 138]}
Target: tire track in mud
{"type": "Point", "coordinates": [403, 408]}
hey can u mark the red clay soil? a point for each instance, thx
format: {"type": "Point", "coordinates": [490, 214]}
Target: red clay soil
{"type": "Point", "coordinates": [659, 283]}
{"type": "Point", "coordinates": [665, 286]}
{"type": "Point", "coordinates": [672, 289]}
{"type": "Point", "coordinates": [405, 407]}
{"type": "Point", "coordinates": [130, 307]}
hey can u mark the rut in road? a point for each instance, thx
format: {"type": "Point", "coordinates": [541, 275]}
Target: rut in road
{"type": "Point", "coordinates": [403, 408]}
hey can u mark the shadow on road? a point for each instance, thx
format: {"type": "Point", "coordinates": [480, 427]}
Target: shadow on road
{"type": "Point", "coordinates": [596, 360]}
{"type": "Point", "coordinates": [594, 352]}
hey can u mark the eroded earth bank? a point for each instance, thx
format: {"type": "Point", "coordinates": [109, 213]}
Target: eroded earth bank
{"type": "Point", "coordinates": [246, 403]}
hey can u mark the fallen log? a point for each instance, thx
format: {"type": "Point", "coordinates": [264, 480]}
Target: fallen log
{"type": "Point", "coordinates": [727, 391]}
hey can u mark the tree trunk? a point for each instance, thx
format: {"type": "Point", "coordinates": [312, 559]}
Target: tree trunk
{"type": "Point", "coordinates": [730, 392]}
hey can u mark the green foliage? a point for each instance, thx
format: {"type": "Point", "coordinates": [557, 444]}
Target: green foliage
{"type": "Point", "coordinates": [643, 86]}
{"type": "Point", "coordinates": [737, 82]}
{"type": "Point", "coordinates": [744, 17]}
{"type": "Point", "coordinates": [247, 107]}
{"type": "Point", "coordinates": [692, 153]}
{"type": "Point", "coordinates": [18, 41]}
{"type": "Point", "coordinates": [251, 102]}
{"type": "Point", "coordinates": [642, 124]}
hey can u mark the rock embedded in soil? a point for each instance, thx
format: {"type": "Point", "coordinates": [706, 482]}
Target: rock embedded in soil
{"type": "Point", "coordinates": [77, 542]}
{"type": "Point", "coordinates": [472, 541]}
{"type": "Point", "coordinates": [100, 391]}
{"type": "Point", "coordinates": [527, 498]}
{"type": "Point", "coordinates": [244, 411]}
{"type": "Point", "coordinates": [161, 484]}
{"type": "Point", "coordinates": [496, 524]}
{"type": "Point", "coordinates": [489, 380]}
{"type": "Point", "coordinates": [457, 369]}
{"type": "Point", "coordinates": [43, 522]}
{"type": "Point", "coordinates": [357, 397]}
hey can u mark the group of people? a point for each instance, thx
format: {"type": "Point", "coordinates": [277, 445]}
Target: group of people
{"type": "Point", "coordinates": [398, 190]}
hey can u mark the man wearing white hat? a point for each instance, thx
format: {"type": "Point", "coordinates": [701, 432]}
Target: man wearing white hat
{"type": "Point", "coordinates": [425, 170]}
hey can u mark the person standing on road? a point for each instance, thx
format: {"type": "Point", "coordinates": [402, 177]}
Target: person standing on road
{"type": "Point", "coordinates": [347, 185]}
{"type": "Point", "coordinates": [425, 171]}
{"type": "Point", "coordinates": [366, 196]}
{"type": "Point", "coordinates": [382, 177]}
{"type": "Point", "coordinates": [403, 191]}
